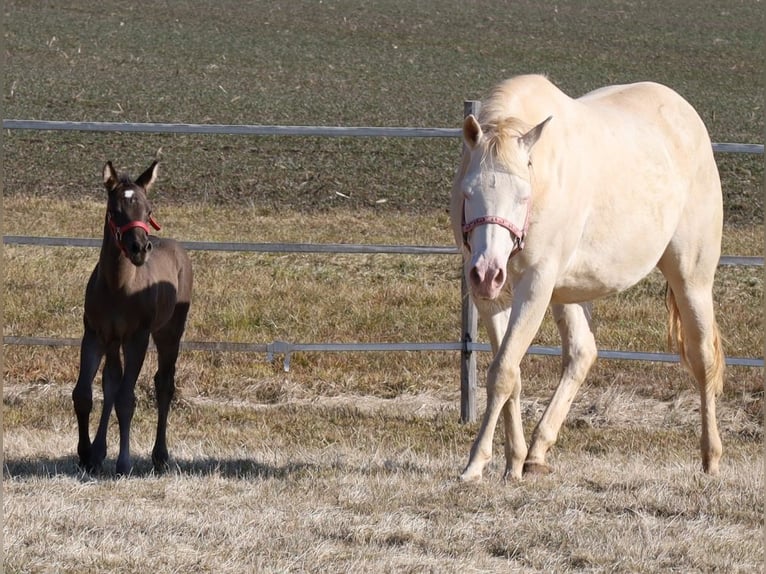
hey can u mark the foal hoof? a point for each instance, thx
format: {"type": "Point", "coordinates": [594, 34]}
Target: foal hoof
{"type": "Point", "coordinates": [160, 461]}
{"type": "Point", "coordinates": [537, 468]}
{"type": "Point", "coordinates": [88, 464]}
{"type": "Point", "coordinates": [88, 467]}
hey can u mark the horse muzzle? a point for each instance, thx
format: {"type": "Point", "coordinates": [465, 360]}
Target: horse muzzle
{"type": "Point", "coordinates": [486, 278]}
{"type": "Point", "coordinates": [138, 251]}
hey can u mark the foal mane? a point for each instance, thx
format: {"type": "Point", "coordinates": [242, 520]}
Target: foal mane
{"type": "Point", "coordinates": [124, 179]}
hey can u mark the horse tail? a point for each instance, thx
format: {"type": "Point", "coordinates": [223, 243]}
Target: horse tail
{"type": "Point", "coordinates": [676, 340]}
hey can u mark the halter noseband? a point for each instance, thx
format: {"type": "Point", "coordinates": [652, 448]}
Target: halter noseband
{"type": "Point", "coordinates": [519, 235]}
{"type": "Point", "coordinates": [118, 231]}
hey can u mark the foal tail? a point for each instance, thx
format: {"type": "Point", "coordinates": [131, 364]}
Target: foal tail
{"type": "Point", "coordinates": [676, 339]}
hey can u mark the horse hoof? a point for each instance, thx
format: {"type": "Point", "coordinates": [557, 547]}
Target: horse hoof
{"type": "Point", "coordinates": [160, 459]}
{"type": "Point", "coordinates": [711, 469]}
{"type": "Point", "coordinates": [509, 475]}
{"type": "Point", "coordinates": [470, 476]}
{"type": "Point", "coordinates": [124, 468]}
{"type": "Point", "coordinates": [537, 468]}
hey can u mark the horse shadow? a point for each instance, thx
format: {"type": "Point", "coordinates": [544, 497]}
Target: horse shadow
{"type": "Point", "coordinates": [237, 468]}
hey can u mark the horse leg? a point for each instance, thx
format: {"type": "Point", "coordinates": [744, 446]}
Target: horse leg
{"type": "Point", "coordinates": [495, 319]}
{"type": "Point", "coordinates": [504, 380]}
{"type": "Point", "coordinates": [111, 377]}
{"type": "Point", "coordinates": [168, 344]}
{"type": "Point", "coordinates": [91, 354]}
{"type": "Point", "coordinates": [497, 325]}
{"type": "Point", "coordinates": [699, 343]}
{"type": "Point", "coordinates": [515, 445]}
{"type": "Point", "coordinates": [125, 405]}
{"type": "Point", "coordinates": [578, 353]}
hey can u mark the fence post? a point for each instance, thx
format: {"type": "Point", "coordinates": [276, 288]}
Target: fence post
{"type": "Point", "coordinates": [469, 328]}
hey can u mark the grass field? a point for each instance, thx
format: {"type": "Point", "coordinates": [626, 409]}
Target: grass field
{"type": "Point", "coordinates": [349, 461]}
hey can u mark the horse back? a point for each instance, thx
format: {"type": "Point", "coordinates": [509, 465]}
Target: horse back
{"type": "Point", "coordinates": [661, 156]}
{"type": "Point", "coordinates": [669, 123]}
{"type": "Point", "coordinates": [628, 171]}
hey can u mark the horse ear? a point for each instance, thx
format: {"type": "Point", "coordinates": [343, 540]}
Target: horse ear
{"type": "Point", "coordinates": [110, 176]}
{"type": "Point", "coordinates": [530, 138]}
{"type": "Point", "coordinates": [147, 178]}
{"type": "Point", "coordinates": [471, 131]}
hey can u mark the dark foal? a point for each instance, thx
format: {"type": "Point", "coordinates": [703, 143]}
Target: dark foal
{"type": "Point", "coordinates": [141, 287]}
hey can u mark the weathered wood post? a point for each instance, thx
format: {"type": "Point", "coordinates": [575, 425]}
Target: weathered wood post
{"type": "Point", "coordinates": [469, 328]}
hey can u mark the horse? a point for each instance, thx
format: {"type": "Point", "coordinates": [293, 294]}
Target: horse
{"type": "Point", "coordinates": [140, 287]}
{"type": "Point", "coordinates": [559, 201]}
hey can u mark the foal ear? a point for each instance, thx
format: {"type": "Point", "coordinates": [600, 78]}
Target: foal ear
{"type": "Point", "coordinates": [471, 131]}
{"type": "Point", "coordinates": [530, 138]}
{"type": "Point", "coordinates": [110, 176]}
{"type": "Point", "coordinates": [147, 178]}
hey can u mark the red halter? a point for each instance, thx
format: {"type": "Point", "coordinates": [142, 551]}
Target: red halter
{"type": "Point", "coordinates": [118, 231]}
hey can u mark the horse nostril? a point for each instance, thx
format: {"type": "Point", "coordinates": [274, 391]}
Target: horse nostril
{"type": "Point", "coordinates": [476, 276]}
{"type": "Point", "coordinates": [135, 248]}
{"type": "Point", "coordinates": [148, 246]}
{"type": "Point", "coordinates": [499, 277]}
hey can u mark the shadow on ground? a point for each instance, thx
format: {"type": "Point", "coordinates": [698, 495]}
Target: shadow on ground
{"type": "Point", "coordinates": [237, 468]}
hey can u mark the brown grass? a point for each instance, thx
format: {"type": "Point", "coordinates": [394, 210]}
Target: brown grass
{"type": "Point", "coordinates": [348, 462]}
{"type": "Point", "coordinates": [367, 484]}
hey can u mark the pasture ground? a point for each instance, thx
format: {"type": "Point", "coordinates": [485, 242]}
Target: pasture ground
{"type": "Point", "coordinates": [349, 461]}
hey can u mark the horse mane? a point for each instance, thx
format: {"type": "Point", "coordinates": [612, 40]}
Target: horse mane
{"type": "Point", "coordinates": [500, 119]}
{"type": "Point", "coordinates": [500, 142]}
{"type": "Point", "coordinates": [124, 178]}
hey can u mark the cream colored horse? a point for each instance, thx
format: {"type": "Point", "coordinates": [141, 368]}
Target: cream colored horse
{"type": "Point", "coordinates": [560, 201]}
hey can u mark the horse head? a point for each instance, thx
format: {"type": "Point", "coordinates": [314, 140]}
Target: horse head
{"type": "Point", "coordinates": [129, 213]}
{"type": "Point", "coordinates": [495, 190]}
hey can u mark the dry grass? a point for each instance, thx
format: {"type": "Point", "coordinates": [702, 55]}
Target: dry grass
{"type": "Point", "coordinates": [366, 484]}
{"type": "Point", "coordinates": [349, 461]}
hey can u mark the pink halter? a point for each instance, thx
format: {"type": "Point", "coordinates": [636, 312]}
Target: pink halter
{"type": "Point", "coordinates": [519, 235]}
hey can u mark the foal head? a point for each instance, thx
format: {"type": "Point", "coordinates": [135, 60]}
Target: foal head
{"type": "Point", "coordinates": [129, 213]}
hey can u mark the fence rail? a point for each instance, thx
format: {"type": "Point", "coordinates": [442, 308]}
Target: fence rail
{"type": "Point", "coordinates": [261, 130]}
{"type": "Point", "coordinates": [467, 346]}
{"type": "Point", "coordinates": [345, 248]}
{"type": "Point", "coordinates": [285, 349]}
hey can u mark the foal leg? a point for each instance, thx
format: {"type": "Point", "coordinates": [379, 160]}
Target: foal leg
{"type": "Point", "coordinates": [111, 378]}
{"type": "Point", "coordinates": [164, 386]}
{"type": "Point", "coordinates": [578, 353]}
{"type": "Point", "coordinates": [82, 395]}
{"type": "Point", "coordinates": [125, 405]}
